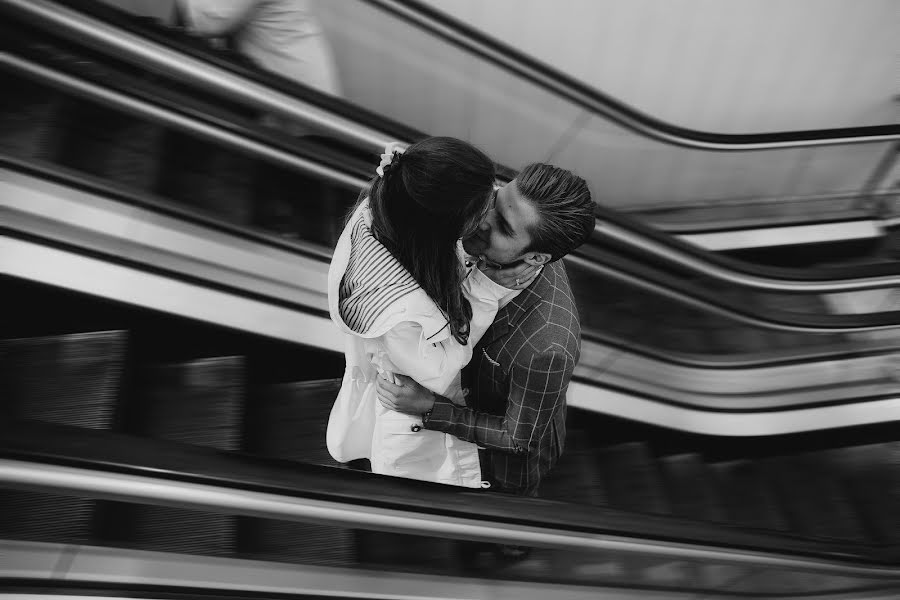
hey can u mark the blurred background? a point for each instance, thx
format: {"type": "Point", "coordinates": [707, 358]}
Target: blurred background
{"type": "Point", "coordinates": [175, 176]}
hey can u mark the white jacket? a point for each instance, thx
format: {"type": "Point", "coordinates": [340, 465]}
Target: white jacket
{"type": "Point", "coordinates": [392, 326]}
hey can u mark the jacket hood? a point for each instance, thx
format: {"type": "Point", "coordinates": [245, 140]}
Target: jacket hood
{"type": "Point", "coordinates": [369, 291]}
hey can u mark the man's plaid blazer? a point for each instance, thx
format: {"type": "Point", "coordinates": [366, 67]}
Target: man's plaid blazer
{"type": "Point", "coordinates": [517, 382]}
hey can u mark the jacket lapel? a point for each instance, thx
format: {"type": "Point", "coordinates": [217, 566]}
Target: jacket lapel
{"type": "Point", "coordinates": [498, 328]}
{"type": "Point", "coordinates": [511, 314]}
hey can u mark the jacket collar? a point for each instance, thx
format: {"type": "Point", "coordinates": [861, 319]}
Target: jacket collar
{"type": "Point", "coordinates": [521, 304]}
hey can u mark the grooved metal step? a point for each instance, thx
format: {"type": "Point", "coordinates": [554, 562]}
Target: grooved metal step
{"type": "Point", "coordinates": [199, 402]}
{"type": "Point", "coordinates": [691, 488]}
{"type": "Point", "coordinates": [632, 478]}
{"type": "Point", "coordinates": [746, 496]}
{"type": "Point", "coordinates": [815, 503]}
{"type": "Point", "coordinates": [72, 379]}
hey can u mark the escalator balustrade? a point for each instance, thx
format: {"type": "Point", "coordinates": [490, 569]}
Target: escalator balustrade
{"type": "Point", "coordinates": [139, 380]}
{"type": "Point", "coordinates": [118, 369]}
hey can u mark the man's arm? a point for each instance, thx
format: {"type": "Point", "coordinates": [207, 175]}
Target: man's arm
{"type": "Point", "coordinates": [536, 390]}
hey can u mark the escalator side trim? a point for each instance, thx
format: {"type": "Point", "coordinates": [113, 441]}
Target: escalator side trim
{"type": "Point", "coordinates": [164, 491]}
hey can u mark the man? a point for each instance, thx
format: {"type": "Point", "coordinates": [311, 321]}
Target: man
{"type": "Point", "coordinates": [281, 36]}
{"type": "Point", "coordinates": [516, 383]}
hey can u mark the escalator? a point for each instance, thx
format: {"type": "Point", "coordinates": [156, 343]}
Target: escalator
{"type": "Point", "coordinates": [256, 200]}
{"type": "Point", "coordinates": [161, 292]}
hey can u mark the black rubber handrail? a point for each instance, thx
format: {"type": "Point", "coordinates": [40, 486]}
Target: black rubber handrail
{"type": "Point", "coordinates": [117, 453]}
{"type": "Point", "coordinates": [550, 79]}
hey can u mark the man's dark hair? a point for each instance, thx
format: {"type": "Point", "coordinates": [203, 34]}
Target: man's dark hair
{"type": "Point", "coordinates": [564, 205]}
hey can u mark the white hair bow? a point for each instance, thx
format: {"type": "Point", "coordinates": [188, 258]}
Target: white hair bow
{"type": "Point", "coordinates": [388, 156]}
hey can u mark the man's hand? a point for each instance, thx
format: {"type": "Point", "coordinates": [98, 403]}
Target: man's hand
{"type": "Point", "coordinates": [517, 277]}
{"type": "Point", "coordinates": [406, 396]}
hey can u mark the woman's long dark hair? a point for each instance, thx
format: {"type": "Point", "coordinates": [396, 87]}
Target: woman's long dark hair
{"type": "Point", "coordinates": [430, 196]}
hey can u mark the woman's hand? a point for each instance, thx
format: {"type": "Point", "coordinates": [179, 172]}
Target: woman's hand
{"type": "Point", "coordinates": [516, 277]}
{"type": "Point", "coordinates": [406, 396]}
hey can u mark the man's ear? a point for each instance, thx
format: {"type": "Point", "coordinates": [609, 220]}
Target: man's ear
{"type": "Point", "coordinates": [537, 258]}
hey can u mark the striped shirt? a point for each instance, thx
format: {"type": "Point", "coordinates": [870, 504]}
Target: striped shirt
{"type": "Point", "coordinates": [373, 280]}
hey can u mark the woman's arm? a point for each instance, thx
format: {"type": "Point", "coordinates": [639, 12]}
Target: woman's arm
{"type": "Point", "coordinates": [433, 365]}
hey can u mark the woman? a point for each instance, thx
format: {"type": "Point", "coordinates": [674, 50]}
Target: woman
{"type": "Point", "coordinates": [406, 303]}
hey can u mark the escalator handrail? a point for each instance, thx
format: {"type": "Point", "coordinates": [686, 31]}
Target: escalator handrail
{"type": "Point", "coordinates": [102, 464]}
{"type": "Point", "coordinates": [204, 125]}
{"type": "Point", "coordinates": [688, 293]}
{"type": "Point", "coordinates": [250, 85]}
{"type": "Point", "coordinates": [548, 78]}
{"type": "Point", "coordinates": [162, 54]}
{"type": "Point", "coordinates": [629, 232]}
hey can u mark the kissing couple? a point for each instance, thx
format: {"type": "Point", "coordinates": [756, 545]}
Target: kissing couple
{"type": "Point", "coordinates": [461, 329]}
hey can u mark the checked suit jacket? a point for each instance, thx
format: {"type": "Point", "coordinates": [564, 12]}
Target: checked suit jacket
{"type": "Point", "coordinates": [517, 382]}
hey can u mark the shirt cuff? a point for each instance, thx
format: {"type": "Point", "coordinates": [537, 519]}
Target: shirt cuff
{"type": "Point", "coordinates": [441, 414]}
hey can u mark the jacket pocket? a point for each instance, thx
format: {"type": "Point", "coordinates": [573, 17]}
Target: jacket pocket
{"type": "Point", "coordinates": [407, 449]}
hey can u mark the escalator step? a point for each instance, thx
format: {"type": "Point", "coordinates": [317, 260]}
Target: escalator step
{"type": "Point", "coordinates": [398, 550]}
{"type": "Point", "coordinates": [575, 478]}
{"type": "Point", "coordinates": [305, 543]}
{"type": "Point", "coordinates": [632, 478]}
{"type": "Point", "coordinates": [289, 420]}
{"type": "Point", "coordinates": [169, 529]}
{"type": "Point", "coordinates": [691, 489]}
{"type": "Point", "coordinates": [29, 115]}
{"type": "Point", "coordinates": [815, 503]}
{"type": "Point", "coordinates": [198, 402]}
{"type": "Point", "coordinates": [40, 517]}
{"type": "Point", "coordinates": [112, 145]}
{"type": "Point", "coordinates": [872, 476]}
{"type": "Point", "coordinates": [209, 178]}
{"type": "Point", "coordinates": [71, 379]}
{"type": "Point", "coordinates": [747, 498]}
